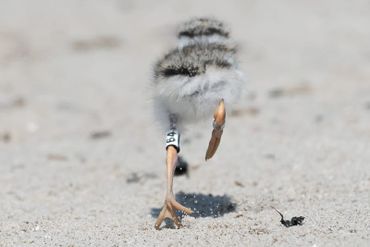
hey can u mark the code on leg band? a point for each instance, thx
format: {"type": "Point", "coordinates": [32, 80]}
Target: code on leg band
{"type": "Point", "coordinates": [173, 139]}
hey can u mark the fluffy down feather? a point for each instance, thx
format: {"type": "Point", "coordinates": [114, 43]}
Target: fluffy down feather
{"type": "Point", "coordinates": [190, 80]}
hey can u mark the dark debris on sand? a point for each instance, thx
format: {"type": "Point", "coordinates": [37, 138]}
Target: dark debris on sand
{"type": "Point", "coordinates": [293, 222]}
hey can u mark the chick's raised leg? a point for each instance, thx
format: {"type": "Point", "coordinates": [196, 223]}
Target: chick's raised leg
{"type": "Point", "coordinates": [218, 126]}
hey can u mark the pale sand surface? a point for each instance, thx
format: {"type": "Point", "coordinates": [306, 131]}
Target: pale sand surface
{"type": "Point", "coordinates": [299, 140]}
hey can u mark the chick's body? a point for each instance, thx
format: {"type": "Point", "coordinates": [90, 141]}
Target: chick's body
{"type": "Point", "coordinates": [190, 80]}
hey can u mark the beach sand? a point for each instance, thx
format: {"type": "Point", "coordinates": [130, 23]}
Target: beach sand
{"type": "Point", "coordinates": [82, 162]}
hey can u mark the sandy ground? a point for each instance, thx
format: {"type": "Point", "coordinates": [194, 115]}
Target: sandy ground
{"type": "Point", "coordinates": [82, 164]}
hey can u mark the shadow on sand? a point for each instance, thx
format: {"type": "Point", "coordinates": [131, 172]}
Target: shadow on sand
{"type": "Point", "coordinates": [202, 205]}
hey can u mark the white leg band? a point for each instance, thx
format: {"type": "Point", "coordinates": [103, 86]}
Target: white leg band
{"type": "Point", "coordinates": [173, 139]}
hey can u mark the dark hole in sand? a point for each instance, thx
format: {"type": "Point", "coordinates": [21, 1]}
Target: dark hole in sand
{"type": "Point", "coordinates": [100, 134]}
{"type": "Point", "coordinates": [202, 205]}
{"type": "Point", "coordinates": [134, 177]}
{"type": "Point", "coordinates": [100, 42]}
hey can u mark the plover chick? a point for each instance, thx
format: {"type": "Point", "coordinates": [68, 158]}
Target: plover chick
{"type": "Point", "coordinates": [193, 82]}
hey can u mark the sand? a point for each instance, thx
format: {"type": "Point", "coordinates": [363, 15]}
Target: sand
{"type": "Point", "coordinates": [82, 163]}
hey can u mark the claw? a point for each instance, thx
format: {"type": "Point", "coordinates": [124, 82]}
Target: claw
{"type": "Point", "coordinates": [218, 124]}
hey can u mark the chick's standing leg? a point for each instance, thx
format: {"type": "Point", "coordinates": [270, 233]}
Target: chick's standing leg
{"type": "Point", "coordinates": [170, 204]}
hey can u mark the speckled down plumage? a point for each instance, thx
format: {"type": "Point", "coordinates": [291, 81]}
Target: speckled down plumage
{"type": "Point", "coordinates": [191, 79]}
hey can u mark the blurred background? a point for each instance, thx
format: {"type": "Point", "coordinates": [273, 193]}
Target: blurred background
{"type": "Point", "coordinates": [81, 160]}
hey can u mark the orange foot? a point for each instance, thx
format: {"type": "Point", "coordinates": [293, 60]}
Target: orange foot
{"type": "Point", "coordinates": [169, 211]}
